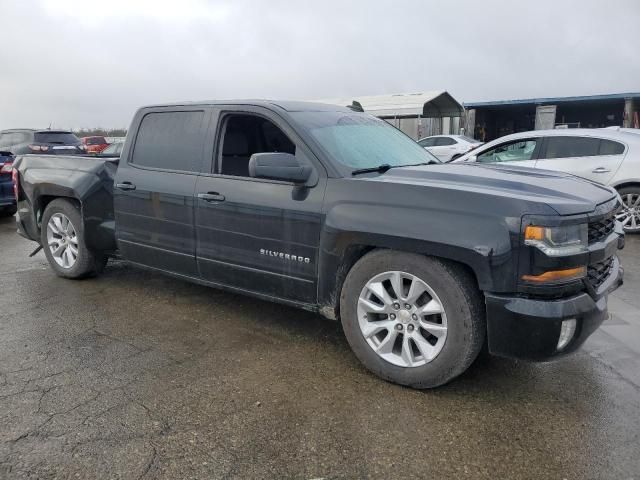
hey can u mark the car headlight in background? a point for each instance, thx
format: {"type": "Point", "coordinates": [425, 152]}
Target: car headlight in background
{"type": "Point", "coordinates": [558, 241]}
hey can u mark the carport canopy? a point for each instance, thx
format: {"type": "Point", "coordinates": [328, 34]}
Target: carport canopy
{"type": "Point", "coordinates": [434, 104]}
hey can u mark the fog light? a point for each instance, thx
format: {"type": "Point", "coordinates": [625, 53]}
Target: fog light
{"type": "Point", "coordinates": [566, 332]}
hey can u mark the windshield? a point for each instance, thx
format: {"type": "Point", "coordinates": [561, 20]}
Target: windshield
{"type": "Point", "coordinates": [358, 140]}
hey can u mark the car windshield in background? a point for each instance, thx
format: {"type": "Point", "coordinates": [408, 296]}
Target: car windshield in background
{"type": "Point", "coordinates": [358, 141]}
{"type": "Point", "coordinates": [96, 141]}
{"type": "Point", "coordinates": [56, 138]}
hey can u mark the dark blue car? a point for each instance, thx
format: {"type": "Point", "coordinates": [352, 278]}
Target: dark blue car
{"type": "Point", "coordinates": [7, 196]}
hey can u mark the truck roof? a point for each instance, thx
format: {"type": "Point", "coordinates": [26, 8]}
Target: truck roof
{"type": "Point", "coordinates": [287, 105]}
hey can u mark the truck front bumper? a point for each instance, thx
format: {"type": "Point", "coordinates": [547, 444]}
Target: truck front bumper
{"type": "Point", "coordinates": [529, 328]}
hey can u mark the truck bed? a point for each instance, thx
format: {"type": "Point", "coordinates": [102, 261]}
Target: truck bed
{"type": "Point", "coordinates": [86, 179]}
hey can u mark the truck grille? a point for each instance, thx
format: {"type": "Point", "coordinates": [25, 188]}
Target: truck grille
{"type": "Point", "coordinates": [598, 272]}
{"type": "Point", "coordinates": [602, 229]}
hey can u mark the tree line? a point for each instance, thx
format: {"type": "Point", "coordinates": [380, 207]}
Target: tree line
{"type": "Point", "coordinates": [101, 132]}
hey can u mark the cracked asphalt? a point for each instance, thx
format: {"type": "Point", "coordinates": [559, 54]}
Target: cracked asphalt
{"type": "Point", "coordinates": [135, 375]}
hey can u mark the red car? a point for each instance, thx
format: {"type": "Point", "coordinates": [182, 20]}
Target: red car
{"type": "Point", "coordinates": [94, 144]}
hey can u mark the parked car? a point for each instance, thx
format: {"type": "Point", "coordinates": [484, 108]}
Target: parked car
{"type": "Point", "coordinates": [113, 150]}
{"type": "Point", "coordinates": [22, 141]}
{"type": "Point", "coordinates": [606, 156]}
{"type": "Point", "coordinates": [449, 147]}
{"type": "Point", "coordinates": [95, 144]}
{"type": "Point", "coordinates": [7, 195]}
{"type": "Point", "coordinates": [292, 202]}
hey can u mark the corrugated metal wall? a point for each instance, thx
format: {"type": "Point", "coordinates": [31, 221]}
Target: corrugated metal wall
{"type": "Point", "coordinates": [418, 128]}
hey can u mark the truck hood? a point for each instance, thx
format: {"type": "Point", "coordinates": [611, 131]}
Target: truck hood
{"type": "Point", "coordinates": [564, 193]}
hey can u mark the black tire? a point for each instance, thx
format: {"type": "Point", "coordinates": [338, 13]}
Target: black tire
{"type": "Point", "coordinates": [460, 297]}
{"type": "Point", "coordinates": [87, 263]}
{"type": "Point", "coordinates": [632, 190]}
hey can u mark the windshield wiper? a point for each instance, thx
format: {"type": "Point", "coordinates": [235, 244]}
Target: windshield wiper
{"type": "Point", "coordinates": [380, 169]}
{"type": "Point", "coordinates": [384, 167]}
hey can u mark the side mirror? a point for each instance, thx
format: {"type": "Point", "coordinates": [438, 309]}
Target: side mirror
{"type": "Point", "coordinates": [278, 166]}
{"type": "Point", "coordinates": [472, 158]}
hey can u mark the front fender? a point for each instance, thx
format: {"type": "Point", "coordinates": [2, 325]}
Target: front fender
{"type": "Point", "coordinates": [485, 243]}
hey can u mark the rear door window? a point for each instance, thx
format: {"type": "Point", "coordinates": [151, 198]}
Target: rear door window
{"type": "Point", "coordinates": [565, 147]}
{"type": "Point", "coordinates": [171, 141]}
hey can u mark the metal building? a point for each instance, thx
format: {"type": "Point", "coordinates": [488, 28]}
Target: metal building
{"type": "Point", "coordinates": [489, 120]}
{"type": "Point", "coordinates": [416, 114]}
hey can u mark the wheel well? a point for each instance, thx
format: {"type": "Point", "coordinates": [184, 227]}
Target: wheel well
{"type": "Point", "coordinates": [628, 184]}
{"type": "Point", "coordinates": [354, 253]}
{"type": "Point", "coordinates": [45, 200]}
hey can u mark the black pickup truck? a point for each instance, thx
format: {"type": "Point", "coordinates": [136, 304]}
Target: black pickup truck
{"type": "Point", "coordinates": [337, 212]}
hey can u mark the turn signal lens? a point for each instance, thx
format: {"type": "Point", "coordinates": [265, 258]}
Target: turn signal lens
{"type": "Point", "coordinates": [534, 233]}
{"type": "Point", "coordinates": [557, 275]}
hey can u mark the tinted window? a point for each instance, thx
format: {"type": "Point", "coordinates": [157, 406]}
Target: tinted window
{"type": "Point", "coordinates": [510, 152]}
{"type": "Point", "coordinates": [563, 147]}
{"type": "Point", "coordinates": [444, 141]}
{"type": "Point", "coordinates": [245, 135]}
{"type": "Point", "coordinates": [56, 138]}
{"type": "Point", "coordinates": [96, 141]}
{"type": "Point", "coordinates": [170, 140]}
{"type": "Point", "coordinates": [427, 142]}
{"type": "Point", "coordinates": [609, 147]}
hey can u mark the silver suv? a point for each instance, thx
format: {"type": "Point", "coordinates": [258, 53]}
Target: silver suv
{"type": "Point", "coordinates": [607, 156]}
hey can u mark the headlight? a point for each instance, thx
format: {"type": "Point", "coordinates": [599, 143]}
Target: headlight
{"type": "Point", "coordinates": [558, 241]}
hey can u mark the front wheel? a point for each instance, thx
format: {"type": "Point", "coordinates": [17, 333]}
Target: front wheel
{"type": "Point", "coordinates": [629, 214]}
{"type": "Point", "coordinates": [410, 319]}
{"type": "Point", "coordinates": [62, 238]}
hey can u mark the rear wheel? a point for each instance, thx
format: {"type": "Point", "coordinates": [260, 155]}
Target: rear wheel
{"type": "Point", "coordinates": [62, 238]}
{"type": "Point", "coordinates": [411, 319]}
{"type": "Point", "coordinates": [629, 214]}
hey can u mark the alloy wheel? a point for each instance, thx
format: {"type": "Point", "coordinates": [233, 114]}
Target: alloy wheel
{"type": "Point", "coordinates": [402, 319]}
{"type": "Point", "coordinates": [629, 214]}
{"type": "Point", "coordinates": [62, 240]}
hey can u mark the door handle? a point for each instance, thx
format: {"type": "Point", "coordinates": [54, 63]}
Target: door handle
{"type": "Point", "coordinates": [211, 197]}
{"type": "Point", "coordinates": [125, 186]}
{"type": "Point", "coordinates": [600, 170]}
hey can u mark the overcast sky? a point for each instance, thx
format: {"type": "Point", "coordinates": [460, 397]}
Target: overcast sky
{"type": "Point", "coordinates": [90, 63]}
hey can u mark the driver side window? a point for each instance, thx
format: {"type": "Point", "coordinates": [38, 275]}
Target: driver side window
{"type": "Point", "coordinates": [246, 134]}
{"type": "Point", "coordinates": [510, 152]}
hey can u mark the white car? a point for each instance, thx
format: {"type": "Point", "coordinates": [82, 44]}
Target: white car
{"type": "Point", "coordinates": [448, 147]}
{"type": "Point", "coordinates": [607, 156]}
